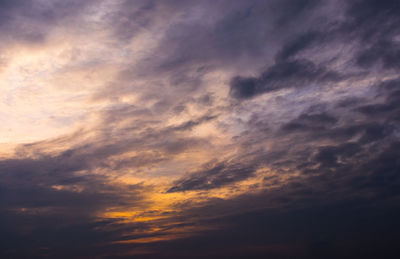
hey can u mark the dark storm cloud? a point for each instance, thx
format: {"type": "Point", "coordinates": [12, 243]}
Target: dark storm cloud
{"type": "Point", "coordinates": [215, 176]}
{"type": "Point", "coordinates": [295, 46]}
{"type": "Point", "coordinates": [385, 52]}
{"type": "Point", "coordinates": [290, 74]}
{"type": "Point", "coordinates": [323, 214]}
{"type": "Point", "coordinates": [54, 198]}
{"type": "Point", "coordinates": [349, 143]}
{"type": "Point", "coordinates": [328, 231]}
{"type": "Point", "coordinates": [351, 149]}
{"type": "Point", "coordinates": [52, 182]}
{"type": "Point", "coordinates": [380, 121]}
{"type": "Point", "coordinates": [47, 209]}
{"type": "Point", "coordinates": [310, 122]}
{"type": "Point", "coordinates": [368, 131]}
{"type": "Point", "coordinates": [373, 18]}
{"type": "Point", "coordinates": [370, 25]}
{"type": "Point", "coordinates": [389, 107]}
{"type": "Point", "coordinates": [51, 201]}
{"type": "Point", "coordinates": [348, 192]}
{"type": "Point", "coordinates": [355, 146]}
{"type": "Point", "coordinates": [376, 25]}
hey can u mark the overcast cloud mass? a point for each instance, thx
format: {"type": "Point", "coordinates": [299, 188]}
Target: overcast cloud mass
{"type": "Point", "coordinates": [199, 129]}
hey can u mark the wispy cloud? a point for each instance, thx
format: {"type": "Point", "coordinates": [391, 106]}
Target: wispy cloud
{"type": "Point", "coordinates": [174, 129]}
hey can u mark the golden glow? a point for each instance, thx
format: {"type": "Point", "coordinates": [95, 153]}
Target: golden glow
{"type": "Point", "coordinates": [82, 91]}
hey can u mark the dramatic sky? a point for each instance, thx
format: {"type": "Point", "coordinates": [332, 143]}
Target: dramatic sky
{"type": "Point", "coordinates": [199, 128]}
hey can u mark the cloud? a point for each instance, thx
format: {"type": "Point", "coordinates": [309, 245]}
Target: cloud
{"type": "Point", "coordinates": [31, 21]}
{"type": "Point", "coordinates": [213, 176]}
{"type": "Point", "coordinates": [300, 43]}
{"type": "Point", "coordinates": [375, 25]}
{"type": "Point", "coordinates": [309, 122]}
{"type": "Point", "coordinates": [291, 74]}
{"type": "Point", "coordinates": [47, 207]}
{"type": "Point", "coordinates": [208, 128]}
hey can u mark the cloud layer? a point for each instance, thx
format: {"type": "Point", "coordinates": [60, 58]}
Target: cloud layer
{"type": "Point", "coordinates": [177, 129]}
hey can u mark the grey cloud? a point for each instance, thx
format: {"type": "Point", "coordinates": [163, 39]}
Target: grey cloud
{"type": "Point", "coordinates": [192, 123]}
{"type": "Point", "coordinates": [344, 137]}
{"type": "Point", "coordinates": [30, 21]}
{"type": "Point", "coordinates": [214, 176]}
{"type": "Point", "coordinates": [300, 43]}
{"type": "Point", "coordinates": [203, 37]}
{"type": "Point", "coordinates": [33, 183]}
{"type": "Point", "coordinates": [47, 208]}
{"type": "Point", "coordinates": [349, 142]}
{"type": "Point", "coordinates": [375, 24]}
{"type": "Point", "coordinates": [38, 219]}
{"type": "Point", "coordinates": [389, 107]}
{"type": "Point", "coordinates": [388, 53]}
{"type": "Point", "coordinates": [220, 33]}
{"type": "Point", "coordinates": [326, 211]}
{"type": "Point", "coordinates": [374, 37]}
{"type": "Point", "coordinates": [310, 122]}
{"type": "Point", "coordinates": [288, 74]}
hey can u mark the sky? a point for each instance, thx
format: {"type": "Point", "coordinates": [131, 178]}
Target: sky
{"type": "Point", "coordinates": [199, 129]}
